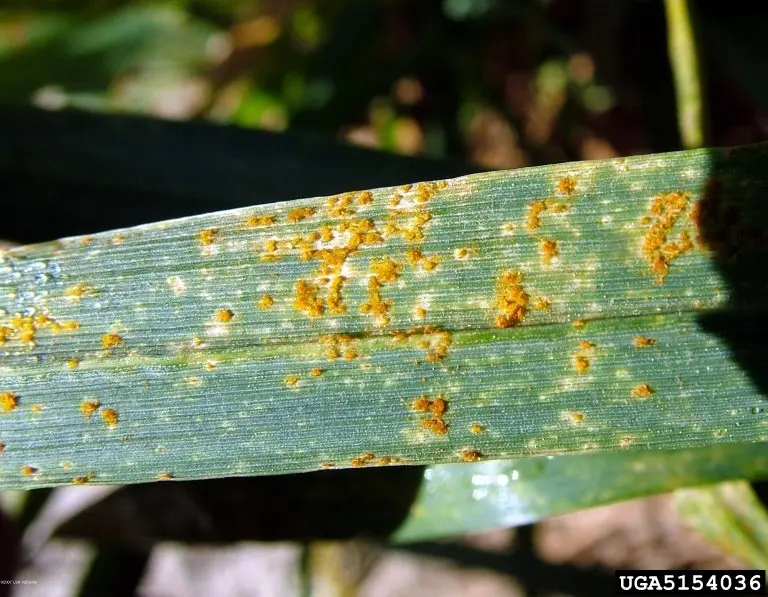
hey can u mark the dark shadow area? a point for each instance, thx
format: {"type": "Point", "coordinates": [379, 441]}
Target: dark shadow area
{"type": "Point", "coordinates": [115, 572]}
{"type": "Point", "coordinates": [68, 173]}
{"type": "Point", "coordinates": [538, 578]}
{"type": "Point", "coordinates": [333, 504]}
{"type": "Point", "coordinates": [732, 219]}
{"type": "Point", "coordinates": [10, 541]}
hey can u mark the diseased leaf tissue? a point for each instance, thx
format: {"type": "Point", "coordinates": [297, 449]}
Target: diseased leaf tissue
{"type": "Point", "coordinates": [538, 311]}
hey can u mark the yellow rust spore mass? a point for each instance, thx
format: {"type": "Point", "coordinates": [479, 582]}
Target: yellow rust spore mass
{"type": "Point", "coordinates": [658, 249]}
{"type": "Point", "coordinates": [511, 300]}
{"type": "Point", "coordinates": [8, 401]}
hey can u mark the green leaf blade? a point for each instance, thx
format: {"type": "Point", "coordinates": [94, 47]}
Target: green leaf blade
{"type": "Point", "coordinates": [165, 323]}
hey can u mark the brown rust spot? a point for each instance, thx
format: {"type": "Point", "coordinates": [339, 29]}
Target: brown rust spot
{"type": "Point", "coordinates": [435, 425]}
{"type": "Point", "coordinates": [642, 342]}
{"type": "Point", "coordinates": [430, 263]}
{"type": "Point", "coordinates": [260, 221]}
{"type": "Point", "coordinates": [338, 345]}
{"type": "Point", "coordinates": [165, 476]}
{"type": "Point", "coordinates": [511, 300]}
{"type": "Point", "coordinates": [581, 364]}
{"type": "Point", "coordinates": [306, 299]}
{"type": "Point", "coordinates": [28, 470]}
{"type": "Point", "coordinates": [414, 256]}
{"type": "Point", "coordinates": [470, 455]}
{"type": "Point", "coordinates": [208, 236]}
{"type": "Point", "coordinates": [421, 404]}
{"type": "Point", "coordinates": [83, 479]}
{"type": "Point", "coordinates": [8, 401]}
{"type": "Point", "coordinates": [327, 465]}
{"type": "Point", "coordinates": [89, 406]}
{"type": "Point", "coordinates": [224, 315]}
{"type": "Point", "coordinates": [386, 270]}
{"type": "Point", "coordinates": [2, 447]}
{"type": "Point", "coordinates": [438, 407]}
{"type": "Point", "coordinates": [642, 390]}
{"type": "Point", "coordinates": [657, 248]}
{"type": "Point", "coordinates": [300, 213]}
{"type": "Point", "coordinates": [111, 340]}
{"type": "Point", "coordinates": [110, 417]}
{"type": "Point", "coordinates": [362, 460]}
{"type": "Point", "coordinates": [365, 198]}
{"type": "Point", "coordinates": [566, 186]}
{"type": "Point", "coordinates": [548, 250]}
{"type": "Point", "coordinates": [533, 218]}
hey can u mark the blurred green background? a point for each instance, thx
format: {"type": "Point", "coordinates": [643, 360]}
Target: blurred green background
{"type": "Point", "coordinates": [498, 83]}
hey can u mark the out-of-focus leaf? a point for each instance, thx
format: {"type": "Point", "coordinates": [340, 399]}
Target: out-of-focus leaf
{"type": "Point", "coordinates": [455, 499]}
{"type": "Point", "coordinates": [92, 172]}
{"type": "Point", "coordinates": [573, 308]}
{"type": "Point", "coordinates": [730, 516]}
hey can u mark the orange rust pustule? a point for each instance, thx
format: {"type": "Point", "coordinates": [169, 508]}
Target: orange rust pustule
{"type": "Point", "coordinates": [566, 186]}
{"type": "Point", "coordinates": [165, 476]}
{"type": "Point", "coordinates": [476, 428]}
{"type": "Point", "coordinates": [88, 407]}
{"type": "Point", "coordinates": [338, 345]}
{"type": "Point", "coordinates": [8, 401]}
{"type": "Point", "coordinates": [642, 342]}
{"type": "Point", "coordinates": [548, 250]}
{"type": "Point", "coordinates": [470, 455]}
{"type": "Point", "coordinates": [25, 328]}
{"type": "Point", "coordinates": [28, 470]}
{"type": "Point", "coordinates": [581, 364]}
{"type": "Point", "coordinates": [533, 218]}
{"type": "Point", "coordinates": [208, 236]}
{"type": "Point", "coordinates": [642, 390]}
{"type": "Point", "coordinates": [110, 417]}
{"type": "Point", "coordinates": [2, 447]}
{"type": "Point", "coordinates": [306, 299]}
{"type": "Point", "coordinates": [362, 460]}
{"type": "Point", "coordinates": [298, 214]}
{"type": "Point", "coordinates": [576, 416]}
{"type": "Point", "coordinates": [658, 250]}
{"type": "Point", "coordinates": [434, 424]}
{"type": "Point", "coordinates": [511, 300]}
{"type": "Point", "coordinates": [266, 301]}
{"type": "Point", "coordinates": [386, 270]}
{"type": "Point", "coordinates": [224, 315]}
{"type": "Point", "coordinates": [83, 479]}
{"type": "Point", "coordinates": [584, 345]}
{"type": "Point", "coordinates": [260, 221]}
{"type": "Point", "coordinates": [111, 340]}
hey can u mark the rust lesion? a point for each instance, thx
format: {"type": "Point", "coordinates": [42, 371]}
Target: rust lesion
{"type": "Point", "coordinates": [511, 299]}
{"type": "Point", "coordinates": [9, 401]}
{"type": "Point", "coordinates": [658, 248]}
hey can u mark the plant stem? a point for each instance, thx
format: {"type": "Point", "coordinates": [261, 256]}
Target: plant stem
{"type": "Point", "coordinates": [684, 60]}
